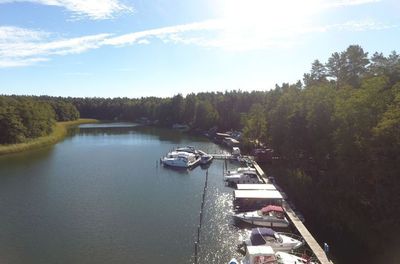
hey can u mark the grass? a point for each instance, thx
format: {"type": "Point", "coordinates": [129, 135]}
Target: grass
{"type": "Point", "coordinates": [60, 130]}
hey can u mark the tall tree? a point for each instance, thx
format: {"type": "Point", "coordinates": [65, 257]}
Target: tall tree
{"type": "Point", "coordinates": [356, 62]}
{"type": "Point", "coordinates": [255, 124]}
{"type": "Point", "coordinates": [337, 68]}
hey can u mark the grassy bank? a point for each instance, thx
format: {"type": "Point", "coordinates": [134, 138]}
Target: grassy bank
{"type": "Point", "coordinates": [59, 132]}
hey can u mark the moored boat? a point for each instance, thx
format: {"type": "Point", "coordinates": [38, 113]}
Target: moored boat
{"type": "Point", "coordinates": [266, 255]}
{"type": "Point", "coordinates": [270, 216]}
{"type": "Point", "coordinates": [279, 241]}
{"type": "Point", "coordinates": [245, 177]}
{"type": "Point", "coordinates": [180, 159]}
{"type": "Point", "coordinates": [240, 170]}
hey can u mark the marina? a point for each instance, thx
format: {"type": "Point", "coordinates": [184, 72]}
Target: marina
{"type": "Point", "coordinates": [253, 195]}
{"type": "Point", "coordinates": [102, 192]}
{"type": "Point", "coordinates": [270, 207]}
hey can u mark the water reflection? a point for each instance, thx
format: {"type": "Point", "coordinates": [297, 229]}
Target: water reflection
{"type": "Point", "coordinates": [101, 196]}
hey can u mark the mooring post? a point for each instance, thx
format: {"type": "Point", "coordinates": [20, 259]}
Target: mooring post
{"type": "Point", "coordinates": [195, 252]}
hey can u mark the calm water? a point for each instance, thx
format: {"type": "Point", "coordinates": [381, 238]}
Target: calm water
{"type": "Point", "coordinates": [100, 196]}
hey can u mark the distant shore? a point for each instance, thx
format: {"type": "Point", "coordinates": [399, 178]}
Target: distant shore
{"type": "Point", "coordinates": [59, 132]}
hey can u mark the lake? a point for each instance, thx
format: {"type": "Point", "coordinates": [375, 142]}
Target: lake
{"type": "Point", "coordinates": [101, 196]}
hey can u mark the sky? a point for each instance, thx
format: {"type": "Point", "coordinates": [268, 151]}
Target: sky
{"type": "Point", "coordinates": [139, 48]}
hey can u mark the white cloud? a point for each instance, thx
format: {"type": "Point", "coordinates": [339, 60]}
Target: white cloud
{"type": "Point", "coordinates": [164, 33]}
{"type": "Point", "coordinates": [17, 62]}
{"type": "Point", "coordinates": [242, 27]}
{"type": "Point", "coordinates": [93, 9]}
{"type": "Point", "coordinates": [344, 3]}
{"type": "Point", "coordinates": [22, 47]}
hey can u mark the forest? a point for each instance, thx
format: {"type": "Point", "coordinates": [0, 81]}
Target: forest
{"type": "Point", "coordinates": [337, 133]}
{"type": "Point", "coordinates": [24, 117]}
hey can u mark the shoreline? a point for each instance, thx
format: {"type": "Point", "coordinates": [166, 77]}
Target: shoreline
{"type": "Point", "coordinates": [60, 130]}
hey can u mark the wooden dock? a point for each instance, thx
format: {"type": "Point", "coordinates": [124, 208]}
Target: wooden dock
{"type": "Point", "coordinates": [310, 240]}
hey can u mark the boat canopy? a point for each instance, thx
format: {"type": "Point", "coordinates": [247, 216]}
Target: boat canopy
{"type": "Point", "coordinates": [257, 235]}
{"type": "Point", "coordinates": [257, 194]}
{"type": "Point", "coordinates": [263, 186]}
{"type": "Point", "coordinates": [271, 208]}
{"type": "Point", "coordinates": [260, 250]}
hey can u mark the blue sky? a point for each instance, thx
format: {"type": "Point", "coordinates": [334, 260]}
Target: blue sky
{"type": "Point", "coordinates": [118, 48]}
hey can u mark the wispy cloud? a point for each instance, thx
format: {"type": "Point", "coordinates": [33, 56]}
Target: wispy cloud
{"type": "Point", "coordinates": [93, 9]}
{"type": "Point", "coordinates": [164, 33]}
{"type": "Point", "coordinates": [242, 30]}
{"type": "Point", "coordinates": [22, 47]}
{"type": "Point", "coordinates": [344, 3]}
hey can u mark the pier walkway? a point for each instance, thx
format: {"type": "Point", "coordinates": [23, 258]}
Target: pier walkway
{"type": "Point", "coordinates": [310, 240]}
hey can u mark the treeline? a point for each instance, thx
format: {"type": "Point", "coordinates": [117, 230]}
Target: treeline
{"type": "Point", "coordinates": [202, 110]}
{"type": "Point", "coordinates": [23, 117]}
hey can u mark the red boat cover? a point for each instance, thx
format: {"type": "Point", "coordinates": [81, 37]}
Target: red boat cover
{"type": "Point", "coordinates": [270, 208]}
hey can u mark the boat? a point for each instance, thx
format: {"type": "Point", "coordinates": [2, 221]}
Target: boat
{"type": "Point", "coordinates": [240, 170]}
{"type": "Point", "coordinates": [267, 255]}
{"type": "Point", "coordinates": [245, 177]}
{"type": "Point", "coordinates": [279, 241]}
{"type": "Point", "coordinates": [270, 216]}
{"type": "Point", "coordinates": [180, 159]}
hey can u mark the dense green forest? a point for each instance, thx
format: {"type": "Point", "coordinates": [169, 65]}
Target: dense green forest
{"type": "Point", "coordinates": [23, 118]}
{"type": "Point", "coordinates": [337, 133]}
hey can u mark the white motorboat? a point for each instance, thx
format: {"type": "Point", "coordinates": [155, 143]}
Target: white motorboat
{"type": "Point", "coordinates": [271, 216]}
{"type": "Point", "coordinates": [266, 255]}
{"type": "Point", "coordinates": [180, 159]}
{"type": "Point", "coordinates": [241, 170]}
{"type": "Point", "coordinates": [277, 240]}
{"type": "Point", "coordinates": [245, 177]}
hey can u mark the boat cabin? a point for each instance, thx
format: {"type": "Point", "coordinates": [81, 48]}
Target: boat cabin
{"type": "Point", "coordinates": [248, 200]}
{"type": "Point", "coordinates": [259, 255]}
